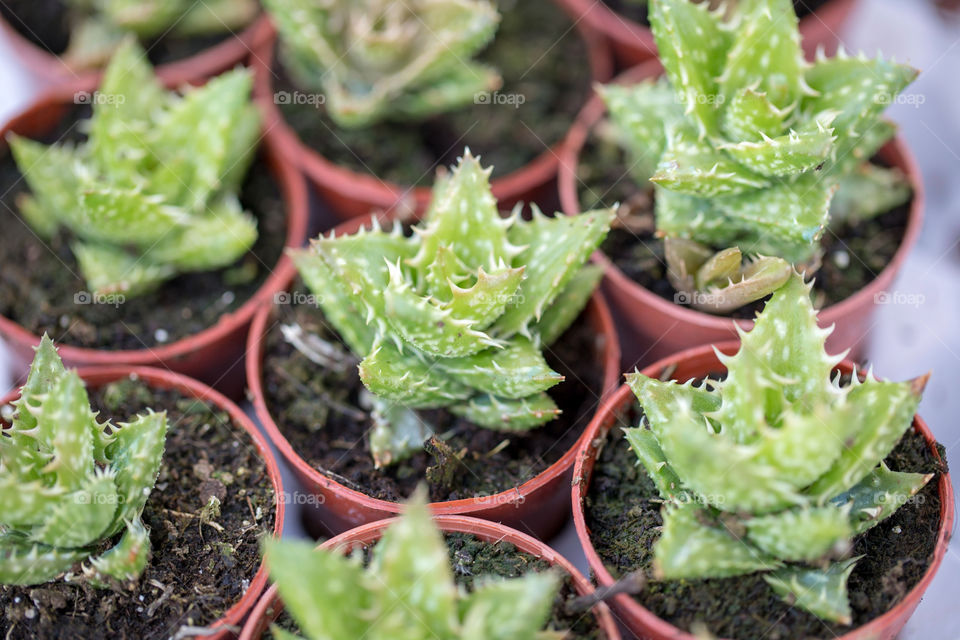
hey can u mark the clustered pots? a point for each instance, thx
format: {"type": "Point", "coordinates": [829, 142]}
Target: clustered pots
{"type": "Point", "coordinates": [440, 374]}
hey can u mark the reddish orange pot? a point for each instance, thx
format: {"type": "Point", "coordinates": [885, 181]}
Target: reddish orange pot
{"type": "Point", "coordinates": [538, 505]}
{"type": "Point", "coordinates": [214, 355]}
{"type": "Point", "coordinates": [270, 605]}
{"type": "Point", "coordinates": [693, 364]}
{"type": "Point", "coordinates": [352, 194]}
{"type": "Point", "coordinates": [95, 377]}
{"type": "Point", "coordinates": [632, 42]}
{"type": "Point", "coordinates": [652, 327]}
{"type": "Point", "coordinates": [52, 70]}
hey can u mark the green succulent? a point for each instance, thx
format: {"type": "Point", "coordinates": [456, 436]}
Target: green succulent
{"type": "Point", "coordinates": [456, 315]}
{"type": "Point", "coordinates": [152, 192]}
{"type": "Point", "coordinates": [407, 590]}
{"type": "Point", "coordinates": [70, 484]}
{"type": "Point", "coordinates": [378, 59]}
{"type": "Point", "coordinates": [103, 24]}
{"type": "Point", "coordinates": [777, 467]}
{"type": "Point", "coordinates": [746, 143]}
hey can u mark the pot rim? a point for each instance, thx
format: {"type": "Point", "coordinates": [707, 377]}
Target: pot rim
{"type": "Point", "coordinates": [293, 191]}
{"type": "Point", "coordinates": [388, 195]}
{"type": "Point", "coordinates": [658, 627]}
{"type": "Point", "coordinates": [256, 344]}
{"type": "Point", "coordinates": [567, 184]}
{"type": "Point", "coordinates": [486, 530]}
{"type": "Point", "coordinates": [163, 379]}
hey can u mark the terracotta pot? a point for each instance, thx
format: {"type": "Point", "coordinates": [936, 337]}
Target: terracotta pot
{"type": "Point", "coordinates": [697, 363]}
{"type": "Point", "coordinates": [350, 193]}
{"type": "Point", "coordinates": [50, 69]}
{"type": "Point", "coordinates": [95, 377]}
{"type": "Point", "coordinates": [215, 354]}
{"type": "Point", "coordinates": [538, 505]}
{"type": "Point", "coordinates": [270, 605]}
{"type": "Point", "coordinates": [652, 327]}
{"type": "Point", "coordinates": [632, 42]}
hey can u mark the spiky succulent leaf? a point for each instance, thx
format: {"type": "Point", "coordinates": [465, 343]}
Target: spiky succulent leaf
{"type": "Point", "coordinates": [785, 155]}
{"type": "Point", "coordinates": [651, 456]}
{"type": "Point", "coordinates": [221, 237]}
{"type": "Point", "coordinates": [522, 605]}
{"type": "Point", "coordinates": [750, 115]}
{"type": "Point", "coordinates": [398, 432]}
{"type": "Point", "coordinates": [516, 371]}
{"type": "Point", "coordinates": [81, 517]}
{"type": "Point", "coordinates": [506, 414]}
{"type": "Point", "coordinates": [754, 280]}
{"type": "Point", "coordinates": [109, 270]}
{"type": "Point", "coordinates": [136, 454]}
{"type": "Point", "coordinates": [822, 592]}
{"type": "Point", "coordinates": [124, 561]}
{"type": "Point", "coordinates": [25, 563]}
{"type": "Point", "coordinates": [868, 191]}
{"type": "Point", "coordinates": [641, 113]}
{"type": "Point", "coordinates": [801, 535]}
{"type": "Point", "coordinates": [407, 377]}
{"type": "Point", "coordinates": [567, 305]}
{"type": "Point", "coordinates": [879, 495]}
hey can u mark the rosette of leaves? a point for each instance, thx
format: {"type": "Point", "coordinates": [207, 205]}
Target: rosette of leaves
{"type": "Point", "coordinates": [406, 590]}
{"type": "Point", "coordinates": [152, 191]}
{"type": "Point", "coordinates": [103, 24]}
{"type": "Point", "coordinates": [69, 485]}
{"type": "Point", "coordinates": [457, 315]}
{"type": "Point", "coordinates": [377, 59]}
{"type": "Point", "coordinates": [750, 148]}
{"type": "Point", "coordinates": [777, 467]}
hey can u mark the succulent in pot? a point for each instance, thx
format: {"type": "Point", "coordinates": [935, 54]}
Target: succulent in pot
{"type": "Point", "coordinates": [475, 579]}
{"type": "Point", "coordinates": [149, 224]}
{"type": "Point", "coordinates": [371, 97]}
{"type": "Point", "coordinates": [442, 350]}
{"type": "Point", "coordinates": [773, 479]}
{"type": "Point", "coordinates": [98, 514]}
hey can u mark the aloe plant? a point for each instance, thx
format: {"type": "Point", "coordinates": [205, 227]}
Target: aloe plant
{"type": "Point", "coordinates": [456, 315]}
{"type": "Point", "coordinates": [70, 484]}
{"type": "Point", "coordinates": [103, 24]}
{"type": "Point", "coordinates": [378, 59]}
{"type": "Point", "coordinates": [152, 192]}
{"type": "Point", "coordinates": [407, 590]}
{"type": "Point", "coordinates": [776, 468]}
{"type": "Point", "coordinates": [746, 143]}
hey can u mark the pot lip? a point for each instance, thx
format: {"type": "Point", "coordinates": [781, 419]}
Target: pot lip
{"type": "Point", "coordinates": [599, 314]}
{"type": "Point", "coordinates": [207, 62]}
{"type": "Point", "coordinates": [659, 627]}
{"type": "Point", "coordinates": [293, 191]}
{"type": "Point", "coordinates": [896, 150]}
{"type": "Point", "coordinates": [484, 529]}
{"type": "Point", "coordinates": [385, 194]}
{"type": "Point", "coordinates": [630, 33]}
{"type": "Point", "coordinates": [164, 379]}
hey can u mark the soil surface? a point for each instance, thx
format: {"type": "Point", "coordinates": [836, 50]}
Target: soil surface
{"type": "Point", "coordinates": [636, 10]}
{"type": "Point", "coordinates": [854, 253]}
{"type": "Point", "coordinates": [546, 80]}
{"type": "Point", "coordinates": [622, 511]}
{"type": "Point", "coordinates": [48, 24]}
{"type": "Point", "coordinates": [473, 558]}
{"type": "Point", "coordinates": [317, 410]}
{"type": "Point", "coordinates": [201, 563]}
{"type": "Point", "coordinates": [41, 288]}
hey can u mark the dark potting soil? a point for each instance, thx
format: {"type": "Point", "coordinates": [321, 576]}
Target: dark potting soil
{"type": "Point", "coordinates": [48, 24]}
{"type": "Point", "coordinates": [474, 559]}
{"type": "Point", "coordinates": [41, 288]}
{"type": "Point", "coordinates": [544, 65]}
{"type": "Point", "coordinates": [201, 562]}
{"type": "Point", "coordinates": [317, 410]}
{"type": "Point", "coordinates": [622, 512]}
{"type": "Point", "coordinates": [854, 253]}
{"type": "Point", "coordinates": [636, 10]}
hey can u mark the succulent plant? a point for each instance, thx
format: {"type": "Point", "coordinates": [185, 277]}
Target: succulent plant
{"type": "Point", "coordinates": [70, 484]}
{"type": "Point", "coordinates": [746, 142]}
{"type": "Point", "coordinates": [407, 590]}
{"type": "Point", "coordinates": [377, 59]}
{"type": "Point", "coordinates": [152, 192]}
{"type": "Point", "coordinates": [456, 315]}
{"type": "Point", "coordinates": [103, 24]}
{"type": "Point", "coordinates": [778, 466]}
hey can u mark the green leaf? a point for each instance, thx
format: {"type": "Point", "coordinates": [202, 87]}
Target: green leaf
{"type": "Point", "coordinates": [407, 378]}
{"type": "Point", "coordinates": [128, 216]}
{"type": "Point", "coordinates": [398, 432]}
{"type": "Point", "coordinates": [484, 302]}
{"type": "Point", "coordinates": [24, 563]}
{"type": "Point", "coordinates": [651, 456]}
{"type": "Point", "coordinates": [867, 192]}
{"type": "Point", "coordinates": [135, 455]}
{"type": "Point", "coordinates": [506, 414]}
{"type": "Point", "coordinates": [126, 560]}
{"type": "Point", "coordinates": [567, 306]}
{"type": "Point", "coordinates": [52, 175]}
{"type": "Point", "coordinates": [216, 239]}
{"type": "Point", "coordinates": [65, 422]}
{"type": "Point", "coordinates": [510, 609]}
{"type": "Point", "coordinates": [641, 113]}
{"type": "Point", "coordinates": [821, 592]}
{"type": "Point", "coordinates": [750, 115]}
{"type": "Point", "coordinates": [879, 495]}
{"type": "Point", "coordinates": [108, 269]}
{"type": "Point", "coordinates": [80, 517]}
{"type": "Point", "coordinates": [756, 280]}
{"type": "Point", "coordinates": [786, 155]}
{"type": "Point", "coordinates": [801, 535]}
{"type": "Point", "coordinates": [516, 371]}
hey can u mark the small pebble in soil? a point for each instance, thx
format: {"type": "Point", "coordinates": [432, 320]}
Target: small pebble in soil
{"type": "Point", "coordinates": [841, 259]}
{"type": "Point", "coordinates": [228, 297]}
{"type": "Point", "coordinates": [161, 335]}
